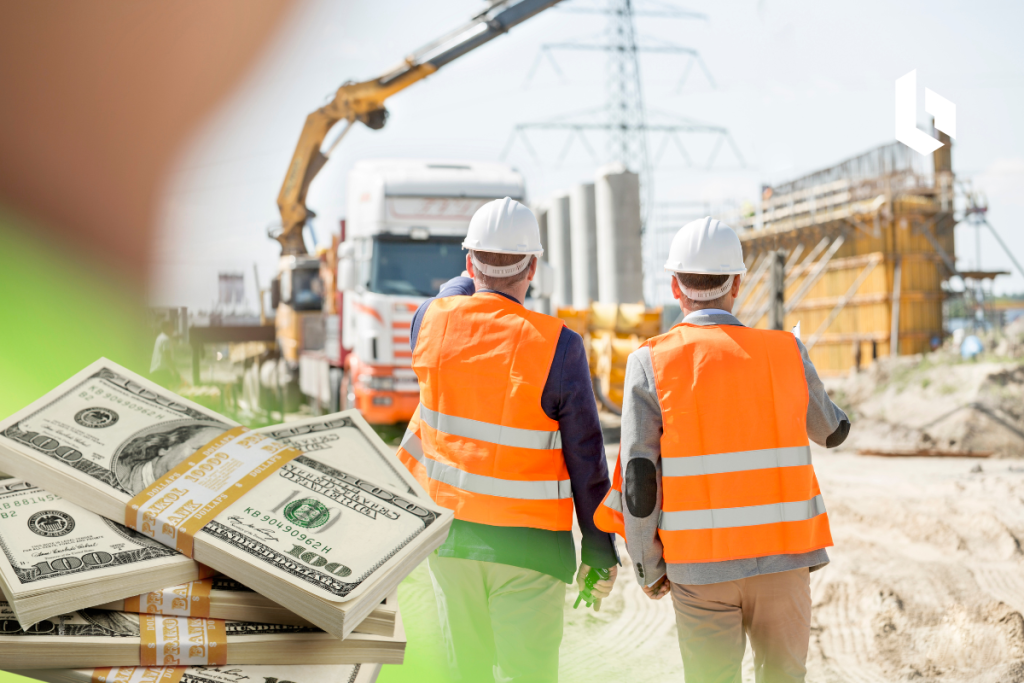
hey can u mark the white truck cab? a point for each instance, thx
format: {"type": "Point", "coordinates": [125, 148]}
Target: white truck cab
{"type": "Point", "coordinates": [406, 220]}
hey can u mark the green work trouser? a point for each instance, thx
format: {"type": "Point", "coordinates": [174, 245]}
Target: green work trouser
{"type": "Point", "coordinates": [500, 623]}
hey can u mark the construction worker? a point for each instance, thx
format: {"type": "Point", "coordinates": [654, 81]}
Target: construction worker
{"type": "Point", "coordinates": [507, 436]}
{"type": "Point", "coordinates": [714, 490]}
{"type": "Point", "coordinates": [163, 369]}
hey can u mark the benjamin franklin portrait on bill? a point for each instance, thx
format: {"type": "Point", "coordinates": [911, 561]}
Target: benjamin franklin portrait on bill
{"type": "Point", "coordinates": [152, 454]}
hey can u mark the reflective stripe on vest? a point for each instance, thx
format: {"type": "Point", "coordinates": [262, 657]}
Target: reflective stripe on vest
{"type": "Point", "coordinates": [490, 486]}
{"type": "Point", "coordinates": [740, 461]}
{"type": "Point", "coordinates": [480, 441]}
{"type": "Point", "coordinates": [724, 518]}
{"type": "Point", "coordinates": [737, 478]}
{"type": "Point", "coordinates": [492, 433]}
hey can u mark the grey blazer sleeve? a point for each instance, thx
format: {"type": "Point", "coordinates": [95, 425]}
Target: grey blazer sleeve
{"type": "Point", "coordinates": [641, 468]}
{"type": "Point", "coordinates": [827, 424]}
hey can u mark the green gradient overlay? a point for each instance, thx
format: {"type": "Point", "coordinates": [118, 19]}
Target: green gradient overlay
{"type": "Point", "coordinates": [57, 315]}
{"type": "Point", "coordinates": [424, 656]}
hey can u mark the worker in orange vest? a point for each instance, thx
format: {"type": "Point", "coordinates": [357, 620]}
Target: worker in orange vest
{"type": "Point", "coordinates": [714, 490]}
{"type": "Point", "coordinates": [507, 436]}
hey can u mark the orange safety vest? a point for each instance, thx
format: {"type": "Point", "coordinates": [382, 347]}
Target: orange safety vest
{"type": "Point", "coordinates": [479, 442]}
{"type": "Point", "coordinates": [737, 479]}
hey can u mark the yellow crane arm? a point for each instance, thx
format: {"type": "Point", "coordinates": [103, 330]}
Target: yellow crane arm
{"type": "Point", "coordinates": [353, 102]}
{"type": "Point", "coordinates": [364, 102]}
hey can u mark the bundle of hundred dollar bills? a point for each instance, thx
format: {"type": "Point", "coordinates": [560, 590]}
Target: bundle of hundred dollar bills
{"type": "Point", "coordinates": [93, 638]}
{"type": "Point", "coordinates": [142, 531]}
{"type": "Point", "coordinates": [358, 673]}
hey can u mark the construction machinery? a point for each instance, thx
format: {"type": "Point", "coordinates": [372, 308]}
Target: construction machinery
{"type": "Point", "coordinates": [298, 293]}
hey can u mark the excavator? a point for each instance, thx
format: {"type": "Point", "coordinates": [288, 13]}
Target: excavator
{"type": "Point", "coordinates": [300, 293]}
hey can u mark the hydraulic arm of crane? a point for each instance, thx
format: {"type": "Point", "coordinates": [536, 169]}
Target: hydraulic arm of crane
{"type": "Point", "coordinates": [365, 102]}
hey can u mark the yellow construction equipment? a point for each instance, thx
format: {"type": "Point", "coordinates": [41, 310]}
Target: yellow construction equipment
{"type": "Point", "coordinates": [298, 293]}
{"type": "Point", "coordinates": [610, 333]}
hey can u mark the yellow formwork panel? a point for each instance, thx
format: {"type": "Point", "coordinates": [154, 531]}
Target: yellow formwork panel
{"type": "Point", "coordinates": [866, 318]}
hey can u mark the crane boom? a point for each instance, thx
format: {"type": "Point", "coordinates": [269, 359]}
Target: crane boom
{"type": "Point", "coordinates": [364, 102]}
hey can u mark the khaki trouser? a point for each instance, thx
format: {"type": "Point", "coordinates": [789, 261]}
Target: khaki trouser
{"type": "Point", "coordinates": [714, 621]}
{"type": "Point", "coordinates": [500, 623]}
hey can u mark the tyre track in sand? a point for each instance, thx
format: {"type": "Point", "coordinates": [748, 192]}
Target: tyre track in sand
{"type": "Point", "coordinates": [923, 558]}
{"type": "Point", "coordinates": [1004, 582]}
{"type": "Point", "coordinates": [921, 564]}
{"type": "Point", "coordinates": [845, 644]}
{"type": "Point", "coordinates": [631, 633]}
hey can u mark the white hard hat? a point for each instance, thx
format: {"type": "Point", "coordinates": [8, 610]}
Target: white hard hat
{"type": "Point", "coordinates": [706, 246]}
{"type": "Point", "coordinates": [504, 226]}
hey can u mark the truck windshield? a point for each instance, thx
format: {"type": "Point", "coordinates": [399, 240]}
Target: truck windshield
{"type": "Point", "coordinates": [408, 267]}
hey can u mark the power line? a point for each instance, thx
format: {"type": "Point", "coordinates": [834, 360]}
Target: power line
{"type": "Point", "coordinates": [623, 118]}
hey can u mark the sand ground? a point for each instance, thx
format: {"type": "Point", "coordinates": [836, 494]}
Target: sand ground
{"type": "Point", "coordinates": [926, 583]}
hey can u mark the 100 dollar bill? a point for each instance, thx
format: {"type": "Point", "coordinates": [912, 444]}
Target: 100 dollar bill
{"type": "Point", "coordinates": [95, 637]}
{"type": "Point", "coordinates": [46, 539]}
{"type": "Point", "coordinates": [56, 556]}
{"type": "Point", "coordinates": [349, 441]}
{"type": "Point", "coordinates": [106, 434]}
{"type": "Point", "coordinates": [353, 673]}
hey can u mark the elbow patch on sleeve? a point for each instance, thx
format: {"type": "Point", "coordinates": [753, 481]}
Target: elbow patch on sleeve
{"type": "Point", "coordinates": [839, 436]}
{"type": "Point", "coordinates": [641, 487]}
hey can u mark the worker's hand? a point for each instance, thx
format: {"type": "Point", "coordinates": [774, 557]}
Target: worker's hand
{"type": "Point", "coordinates": [602, 589]}
{"type": "Point", "coordinates": [659, 589]}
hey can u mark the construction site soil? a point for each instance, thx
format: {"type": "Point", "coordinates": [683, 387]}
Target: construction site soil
{"type": "Point", "coordinates": [935, 402]}
{"type": "Point", "coordinates": [926, 583]}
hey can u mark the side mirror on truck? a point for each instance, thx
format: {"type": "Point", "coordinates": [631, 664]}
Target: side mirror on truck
{"type": "Point", "coordinates": [346, 267]}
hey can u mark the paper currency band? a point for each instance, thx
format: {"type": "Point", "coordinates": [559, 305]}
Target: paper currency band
{"type": "Point", "coordinates": [138, 674]}
{"type": "Point", "coordinates": [182, 641]}
{"type": "Point", "coordinates": [187, 600]}
{"type": "Point", "coordinates": [176, 506]}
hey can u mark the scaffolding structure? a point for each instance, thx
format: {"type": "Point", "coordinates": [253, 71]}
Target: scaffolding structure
{"type": "Point", "coordinates": [867, 245]}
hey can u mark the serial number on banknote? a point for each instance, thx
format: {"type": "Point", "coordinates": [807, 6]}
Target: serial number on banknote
{"type": "Point", "coordinates": [27, 501]}
{"type": "Point", "coordinates": [6, 511]}
{"type": "Point", "coordinates": [287, 528]}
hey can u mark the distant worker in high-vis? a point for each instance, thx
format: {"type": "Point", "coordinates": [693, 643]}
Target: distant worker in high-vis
{"type": "Point", "coordinates": [714, 490]}
{"type": "Point", "coordinates": [507, 436]}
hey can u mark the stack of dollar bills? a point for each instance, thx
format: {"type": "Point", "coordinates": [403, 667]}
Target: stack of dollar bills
{"type": "Point", "coordinates": [352, 673]}
{"type": "Point", "coordinates": [289, 571]}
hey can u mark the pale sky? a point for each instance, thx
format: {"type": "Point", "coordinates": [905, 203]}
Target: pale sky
{"type": "Point", "coordinates": [801, 85]}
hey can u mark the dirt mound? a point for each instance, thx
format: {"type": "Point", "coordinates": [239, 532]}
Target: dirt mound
{"type": "Point", "coordinates": [935, 401]}
{"type": "Point", "coordinates": [927, 577]}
